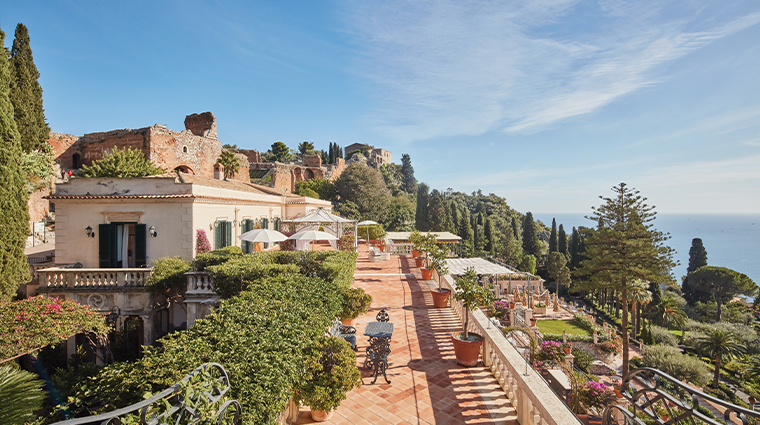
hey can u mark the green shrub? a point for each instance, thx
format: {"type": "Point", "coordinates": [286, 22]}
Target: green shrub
{"type": "Point", "coordinates": [682, 367]}
{"type": "Point", "coordinates": [22, 395]}
{"type": "Point", "coordinates": [216, 257]}
{"type": "Point", "coordinates": [331, 373]}
{"type": "Point", "coordinates": [260, 338]}
{"type": "Point", "coordinates": [168, 276]}
{"type": "Point", "coordinates": [582, 360]}
{"type": "Point", "coordinates": [585, 322]}
{"type": "Point", "coordinates": [240, 273]}
{"type": "Point", "coordinates": [636, 362]}
{"type": "Point", "coordinates": [121, 163]}
{"type": "Point", "coordinates": [355, 303]}
{"type": "Point", "coordinates": [663, 336]}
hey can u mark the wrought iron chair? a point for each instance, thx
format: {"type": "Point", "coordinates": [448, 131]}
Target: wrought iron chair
{"type": "Point", "coordinates": [382, 316]}
{"type": "Point", "coordinates": [348, 333]}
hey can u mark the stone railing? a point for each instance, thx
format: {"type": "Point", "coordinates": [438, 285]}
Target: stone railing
{"type": "Point", "coordinates": [200, 296]}
{"type": "Point", "coordinates": [67, 278]}
{"type": "Point", "coordinates": [199, 283]}
{"type": "Point", "coordinates": [399, 248]}
{"type": "Point", "coordinates": [530, 395]}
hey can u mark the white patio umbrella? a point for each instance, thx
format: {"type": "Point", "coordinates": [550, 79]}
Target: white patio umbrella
{"type": "Point", "coordinates": [312, 235]}
{"type": "Point", "coordinates": [367, 223]}
{"type": "Point", "coordinates": [263, 235]}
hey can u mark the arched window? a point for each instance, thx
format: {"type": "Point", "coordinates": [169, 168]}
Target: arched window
{"type": "Point", "coordinates": [76, 161]}
{"type": "Point", "coordinates": [184, 149]}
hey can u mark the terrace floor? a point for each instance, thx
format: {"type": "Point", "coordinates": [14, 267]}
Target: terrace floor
{"type": "Point", "coordinates": [427, 386]}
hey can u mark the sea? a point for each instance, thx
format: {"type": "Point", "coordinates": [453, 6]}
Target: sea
{"type": "Point", "coordinates": [731, 240]}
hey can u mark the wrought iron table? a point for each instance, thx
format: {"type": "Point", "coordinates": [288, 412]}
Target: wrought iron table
{"type": "Point", "coordinates": [379, 334]}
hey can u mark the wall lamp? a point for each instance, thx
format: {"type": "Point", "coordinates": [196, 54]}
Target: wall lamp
{"type": "Point", "coordinates": [113, 316]}
{"type": "Point", "coordinates": [152, 231]}
{"type": "Point", "coordinates": [89, 232]}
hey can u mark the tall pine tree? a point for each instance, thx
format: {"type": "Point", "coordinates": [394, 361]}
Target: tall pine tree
{"type": "Point", "coordinates": [408, 182]}
{"type": "Point", "coordinates": [26, 93]}
{"type": "Point", "coordinates": [697, 255]}
{"type": "Point", "coordinates": [530, 241]}
{"type": "Point", "coordinates": [553, 241]}
{"type": "Point", "coordinates": [14, 217]}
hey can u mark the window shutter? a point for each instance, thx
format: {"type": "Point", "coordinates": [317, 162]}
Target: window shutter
{"type": "Point", "coordinates": [265, 225]}
{"type": "Point", "coordinates": [141, 250]}
{"type": "Point", "coordinates": [246, 245]}
{"type": "Point", "coordinates": [218, 235]}
{"type": "Point", "coordinates": [229, 234]}
{"type": "Point", "coordinates": [104, 246]}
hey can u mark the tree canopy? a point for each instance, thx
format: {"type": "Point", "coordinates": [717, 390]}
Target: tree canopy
{"type": "Point", "coordinates": [408, 182]}
{"type": "Point", "coordinates": [624, 247]}
{"type": "Point", "coordinates": [14, 216]}
{"type": "Point", "coordinates": [26, 93]}
{"type": "Point", "coordinates": [120, 164]}
{"type": "Point", "coordinates": [281, 152]}
{"type": "Point", "coordinates": [697, 255]}
{"type": "Point", "coordinates": [230, 163]}
{"type": "Point", "coordinates": [722, 284]}
{"type": "Point", "coordinates": [364, 187]}
{"type": "Point", "coordinates": [530, 241]}
{"type": "Point", "coordinates": [322, 188]}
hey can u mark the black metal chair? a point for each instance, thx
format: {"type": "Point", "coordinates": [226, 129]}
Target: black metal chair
{"type": "Point", "coordinates": [348, 333]}
{"type": "Point", "coordinates": [382, 316]}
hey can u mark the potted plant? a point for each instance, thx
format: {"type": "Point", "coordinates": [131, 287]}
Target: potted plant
{"type": "Point", "coordinates": [355, 303]}
{"type": "Point", "coordinates": [567, 347]}
{"type": "Point", "coordinates": [416, 239]}
{"type": "Point", "coordinates": [330, 373]}
{"type": "Point", "coordinates": [539, 308]}
{"type": "Point", "coordinates": [467, 344]}
{"type": "Point", "coordinates": [501, 312]}
{"type": "Point", "coordinates": [618, 388]}
{"type": "Point", "coordinates": [438, 263]}
{"type": "Point", "coordinates": [533, 321]}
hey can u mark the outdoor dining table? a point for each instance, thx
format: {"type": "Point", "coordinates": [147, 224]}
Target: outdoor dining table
{"type": "Point", "coordinates": [379, 334]}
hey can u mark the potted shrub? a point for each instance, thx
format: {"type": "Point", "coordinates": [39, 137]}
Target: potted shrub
{"type": "Point", "coordinates": [501, 312]}
{"type": "Point", "coordinates": [567, 348]}
{"type": "Point", "coordinates": [416, 239]}
{"type": "Point", "coordinates": [355, 303]}
{"type": "Point", "coordinates": [539, 308]}
{"type": "Point", "coordinates": [330, 373]}
{"type": "Point", "coordinates": [533, 321]}
{"type": "Point", "coordinates": [438, 263]}
{"type": "Point", "coordinates": [467, 344]}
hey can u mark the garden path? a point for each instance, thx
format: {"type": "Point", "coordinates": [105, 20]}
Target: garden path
{"type": "Point", "coordinates": [427, 386]}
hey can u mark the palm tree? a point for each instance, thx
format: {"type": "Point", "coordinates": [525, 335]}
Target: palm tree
{"type": "Point", "coordinates": [717, 344]}
{"type": "Point", "coordinates": [22, 395]}
{"type": "Point", "coordinates": [639, 296]}
{"type": "Point", "coordinates": [230, 163]}
{"type": "Point", "coordinates": [752, 366]}
{"type": "Point", "coordinates": [671, 314]}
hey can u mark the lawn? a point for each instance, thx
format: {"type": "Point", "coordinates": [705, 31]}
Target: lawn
{"type": "Point", "coordinates": [557, 326]}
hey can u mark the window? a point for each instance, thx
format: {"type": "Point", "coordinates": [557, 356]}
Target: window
{"type": "Point", "coordinates": [265, 225]}
{"type": "Point", "coordinates": [246, 225]}
{"type": "Point", "coordinates": [122, 245]}
{"type": "Point", "coordinates": [223, 234]}
{"type": "Point", "coordinates": [184, 149]}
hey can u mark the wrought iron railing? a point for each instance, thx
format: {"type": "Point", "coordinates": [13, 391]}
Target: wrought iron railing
{"type": "Point", "coordinates": [658, 398]}
{"type": "Point", "coordinates": [198, 398]}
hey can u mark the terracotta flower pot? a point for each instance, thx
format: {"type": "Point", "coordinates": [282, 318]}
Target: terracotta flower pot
{"type": "Point", "coordinates": [349, 322]}
{"type": "Point", "coordinates": [512, 304]}
{"type": "Point", "coordinates": [618, 394]}
{"type": "Point", "coordinates": [321, 416]}
{"type": "Point", "coordinates": [568, 349]}
{"type": "Point", "coordinates": [467, 352]}
{"type": "Point", "coordinates": [415, 253]}
{"type": "Point", "coordinates": [419, 261]}
{"type": "Point", "coordinates": [533, 322]}
{"type": "Point", "coordinates": [440, 297]}
{"type": "Point", "coordinates": [427, 274]}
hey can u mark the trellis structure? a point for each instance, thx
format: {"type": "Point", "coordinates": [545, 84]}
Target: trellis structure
{"type": "Point", "coordinates": [330, 222]}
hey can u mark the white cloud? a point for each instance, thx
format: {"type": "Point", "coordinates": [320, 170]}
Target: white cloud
{"type": "Point", "coordinates": [456, 68]}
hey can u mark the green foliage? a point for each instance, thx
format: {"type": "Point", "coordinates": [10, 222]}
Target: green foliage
{"type": "Point", "coordinates": [401, 214]}
{"type": "Point", "coordinates": [36, 322]}
{"type": "Point", "coordinates": [718, 344]}
{"type": "Point", "coordinates": [558, 270]}
{"type": "Point", "coordinates": [528, 264]}
{"type": "Point", "coordinates": [646, 336]}
{"type": "Point", "coordinates": [21, 393]}
{"type": "Point", "coordinates": [26, 93]}
{"type": "Point", "coordinates": [37, 167]}
{"type": "Point", "coordinates": [471, 295]}
{"type": "Point", "coordinates": [697, 255]}
{"type": "Point", "coordinates": [586, 323]}
{"type": "Point", "coordinates": [168, 276]}
{"type": "Point", "coordinates": [355, 303]}
{"type": "Point", "coordinates": [259, 336]}
{"type": "Point", "coordinates": [553, 238]}
{"type": "Point", "coordinates": [318, 188]}
{"type": "Point", "coordinates": [439, 217]}
{"type": "Point", "coordinates": [663, 336]}
{"type": "Point", "coordinates": [14, 215]}
{"type": "Point", "coordinates": [364, 187]}
{"type": "Point", "coordinates": [392, 176]}
{"type": "Point", "coordinates": [281, 152]}
{"type": "Point", "coordinates": [731, 312]}
{"type": "Point", "coordinates": [530, 242]}
{"type": "Point", "coordinates": [421, 220]}
{"type": "Point", "coordinates": [216, 257]}
{"type": "Point", "coordinates": [331, 373]}
{"type": "Point", "coordinates": [438, 262]}
{"type": "Point", "coordinates": [371, 232]}
{"type": "Point", "coordinates": [408, 182]}
{"type": "Point", "coordinates": [582, 360]}
{"type": "Point", "coordinates": [230, 162]}
{"type": "Point", "coordinates": [722, 284]}
{"type": "Point", "coordinates": [305, 148]}
{"type": "Point", "coordinates": [671, 361]}
{"type": "Point", "coordinates": [120, 164]}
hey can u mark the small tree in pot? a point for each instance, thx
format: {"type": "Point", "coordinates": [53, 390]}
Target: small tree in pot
{"type": "Point", "coordinates": [416, 239]}
{"type": "Point", "coordinates": [330, 373]}
{"type": "Point", "coordinates": [355, 303]}
{"type": "Point", "coordinates": [472, 296]}
{"type": "Point", "coordinates": [438, 263]}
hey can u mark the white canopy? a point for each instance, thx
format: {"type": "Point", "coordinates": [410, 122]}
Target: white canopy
{"type": "Point", "coordinates": [321, 216]}
{"type": "Point", "coordinates": [457, 267]}
{"type": "Point", "coordinates": [263, 235]}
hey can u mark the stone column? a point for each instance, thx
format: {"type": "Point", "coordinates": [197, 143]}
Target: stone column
{"type": "Point", "coordinates": [147, 329]}
{"type": "Point", "coordinates": [596, 341]}
{"type": "Point", "coordinates": [512, 316]}
{"type": "Point", "coordinates": [71, 347]}
{"type": "Point", "coordinates": [569, 360]}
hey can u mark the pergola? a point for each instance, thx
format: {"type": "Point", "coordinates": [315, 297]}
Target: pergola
{"type": "Point", "coordinates": [505, 278]}
{"type": "Point", "coordinates": [330, 222]}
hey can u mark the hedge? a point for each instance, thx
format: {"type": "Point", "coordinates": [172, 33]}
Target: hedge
{"type": "Point", "coordinates": [168, 276]}
{"type": "Point", "coordinates": [259, 337]}
{"type": "Point", "coordinates": [680, 366]}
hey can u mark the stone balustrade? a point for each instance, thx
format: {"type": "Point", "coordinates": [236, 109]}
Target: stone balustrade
{"type": "Point", "coordinates": [199, 283]}
{"type": "Point", "coordinates": [530, 395]}
{"type": "Point", "coordinates": [69, 278]}
{"type": "Point", "coordinates": [200, 296]}
{"type": "Point", "coordinates": [399, 248]}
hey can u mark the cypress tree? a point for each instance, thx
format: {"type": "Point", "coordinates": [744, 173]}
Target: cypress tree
{"type": "Point", "coordinates": [488, 232]}
{"type": "Point", "coordinates": [697, 255]}
{"type": "Point", "coordinates": [562, 242]}
{"type": "Point", "coordinates": [530, 241]}
{"type": "Point", "coordinates": [408, 182]}
{"type": "Point", "coordinates": [515, 229]}
{"type": "Point", "coordinates": [421, 221]}
{"type": "Point", "coordinates": [478, 234]}
{"type": "Point", "coordinates": [26, 93]}
{"type": "Point", "coordinates": [468, 239]}
{"type": "Point", "coordinates": [553, 237]}
{"type": "Point", "coordinates": [14, 216]}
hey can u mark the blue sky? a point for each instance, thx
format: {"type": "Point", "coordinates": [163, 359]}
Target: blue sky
{"type": "Point", "coordinates": [548, 104]}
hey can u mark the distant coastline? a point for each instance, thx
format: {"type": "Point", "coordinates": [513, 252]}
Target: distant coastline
{"type": "Point", "coordinates": [731, 240]}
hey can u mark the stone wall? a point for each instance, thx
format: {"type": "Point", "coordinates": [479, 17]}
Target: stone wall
{"type": "Point", "coordinates": [203, 124]}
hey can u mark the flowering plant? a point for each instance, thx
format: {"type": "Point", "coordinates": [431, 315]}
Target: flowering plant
{"type": "Point", "coordinates": [596, 396]}
{"type": "Point", "coordinates": [614, 345]}
{"type": "Point", "coordinates": [201, 242]}
{"type": "Point", "coordinates": [36, 322]}
{"type": "Point", "coordinates": [550, 352]}
{"type": "Point", "coordinates": [500, 309]}
{"type": "Point", "coordinates": [347, 242]}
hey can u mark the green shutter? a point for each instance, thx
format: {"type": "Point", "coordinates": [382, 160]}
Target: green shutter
{"type": "Point", "coordinates": [106, 246]}
{"type": "Point", "coordinates": [140, 245]}
{"type": "Point", "coordinates": [265, 225]}
{"type": "Point", "coordinates": [229, 234]}
{"type": "Point", "coordinates": [246, 246]}
{"type": "Point", "coordinates": [218, 235]}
